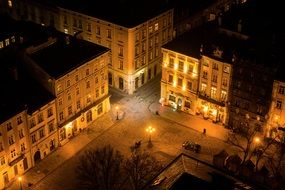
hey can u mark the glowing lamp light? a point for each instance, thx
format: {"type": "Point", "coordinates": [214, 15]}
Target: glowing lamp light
{"type": "Point", "coordinates": [276, 118]}
{"type": "Point", "coordinates": [184, 87]}
{"type": "Point", "coordinates": [165, 64]}
{"type": "Point", "coordinates": [205, 109]}
{"type": "Point", "coordinates": [175, 66]}
{"type": "Point", "coordinates": [69, 125]}
{"type": "Point", "coordinates": [257, 140]}
{"type": "Point", "coordinates": [214, 112]}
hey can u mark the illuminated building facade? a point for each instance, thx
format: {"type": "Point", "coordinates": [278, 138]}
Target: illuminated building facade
{"type": "Point", "coordinates": [134, 37]}
{"type": "Point", "coordinates": [196, 77]}
{"type": "Point", "coordinates": [43, 131]}
{"type": "Point", "coordinates": [214, 81]}
{"type": "Point", "coordinates": [75, 72]}
{"type": "Point", "coordinates": [276, 122]}
{"type": "Point", "coordinates": [15, 157]}
{"type": "Point", "coordinates": [179, 82]}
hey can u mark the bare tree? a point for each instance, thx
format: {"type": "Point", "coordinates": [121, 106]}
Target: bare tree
{"type": "Point", "coordinates": [244, 141]}
{"type": "Point", "coordinates": [100, 169]}
{"type": "Point", "coordinates": [141, 167]}
{"type": "Point", "coordinates": [274, 161]}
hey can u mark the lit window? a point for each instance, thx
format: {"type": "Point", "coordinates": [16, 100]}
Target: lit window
{"type": "Point", "coordinates": [203, 87]}
{"type": "Point", "coordinates": [10, 4]}
{"type": "Point", "coordinates": [156, 26]}
{"type": "Point", "coordinates": [59, 88]}
{"type": "Point", "coordinates": [7, 42]}
{"type": "Point", "coordinates": [150, 29]}
{"type": "Point", "coordinates": [213, 92]}
{"type": "Point", "coordinates": [223, 95]}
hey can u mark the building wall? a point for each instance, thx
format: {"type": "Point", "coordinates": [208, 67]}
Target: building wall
{"type": "Point", "coordinates": [82, 92]}
{"type": "Point", "coordinates": [251, 92]}
{"type": "Point", "coordinates": [135, 54]}
{"type": "Point", "coordinates": [14, 148]}
{"type": "Point", "coordinates": [277, 111]}
{"type": "Point", "coordinates": [214, 82]}
{"type": "Point", "coordinates": [43, 131]}
{"type": "Point", "coordinates": [179, 82]}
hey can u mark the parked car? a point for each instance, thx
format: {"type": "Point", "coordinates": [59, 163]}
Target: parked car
{"type": "Point", "coordinates": [189, 145]}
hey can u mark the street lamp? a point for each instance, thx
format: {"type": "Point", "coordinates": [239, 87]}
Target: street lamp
{"type": "Point", "coordinates": [257, 140]}
{"type": "Point", "coordinates": [20, 182]}
{"type": "Point", "coordinates": [117, 109]}
{"type": "Point", "coordinates": [150, 130]}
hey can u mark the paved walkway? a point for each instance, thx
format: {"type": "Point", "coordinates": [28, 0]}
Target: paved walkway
{"type": "Point", "coordinates": [192, 121]}
{"type": "Point", "coordinates": [105, 122]}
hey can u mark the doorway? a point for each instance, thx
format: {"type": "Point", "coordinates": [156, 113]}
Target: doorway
{"type": "Point", "coordinates": [37, 156]}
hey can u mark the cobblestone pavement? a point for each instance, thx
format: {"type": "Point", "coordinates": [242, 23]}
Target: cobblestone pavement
{"type": "Point", "coordinates": [136, 112]}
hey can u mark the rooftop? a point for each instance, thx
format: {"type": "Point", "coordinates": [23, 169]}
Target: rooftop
{"type": "Point", "coordinates": [188, 43]}
{"type": "Point", "coordinates": [21, 92]}
{"type": "Point", "coordinates": [186, 172]}
{"type": "Point", "coordinates": [127, 13]}
{"type": "Point", "coordinates": [65, 55]}
{"type": "Point", "coordinates": [208, 39]}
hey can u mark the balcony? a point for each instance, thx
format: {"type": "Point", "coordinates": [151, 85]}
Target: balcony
{"type": "Point", "coordinates": [204, 96]}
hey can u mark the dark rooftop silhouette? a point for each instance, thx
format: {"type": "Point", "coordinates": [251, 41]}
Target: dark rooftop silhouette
{"type": "Point", "coordinates": [21, 91]}
{"type": "Point", "coordinates": [61, 57]}
{"type": "Point", "coordinates": [127, 13]}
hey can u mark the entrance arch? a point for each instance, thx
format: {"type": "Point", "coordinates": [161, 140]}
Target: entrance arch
{"type": "Point", "coordinates": [37, 156]}
{"type": "Point", "coordinates": [179, 104]}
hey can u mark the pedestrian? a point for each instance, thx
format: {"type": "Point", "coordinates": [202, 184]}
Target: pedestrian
{"type": "Point", "coordinates": [204, 131]}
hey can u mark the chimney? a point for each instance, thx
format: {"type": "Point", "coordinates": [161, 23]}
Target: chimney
{"type": "Point", "coordinates": [239, 25]}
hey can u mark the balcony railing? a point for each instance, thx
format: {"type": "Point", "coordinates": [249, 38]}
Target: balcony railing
{"type": "Point", "coordinates": [204, 96]}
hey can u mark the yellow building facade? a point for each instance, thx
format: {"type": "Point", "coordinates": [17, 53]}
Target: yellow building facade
{"type": "Point", "coordinates": [15, 157]}
{"type": "Point", "coordinates": [135, 54]}
{"type": "Point", "coordinates": [43, 131]}
{"type": "Point", "coordinates": [214, 83]}
{"type": "Point", "coordinates": [194, 81]}
{"type": "Point", "coordinates": [179, 82]}
{"type": "Point", "coordinates": [82, 96]}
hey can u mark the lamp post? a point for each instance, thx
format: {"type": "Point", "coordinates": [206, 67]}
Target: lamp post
{"type": "Point", "coordinates": [117, 109]}
{"type": "Point", "coordinates": [150, 130]}
{"type": "Point", "coordinates": [20, 182]}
